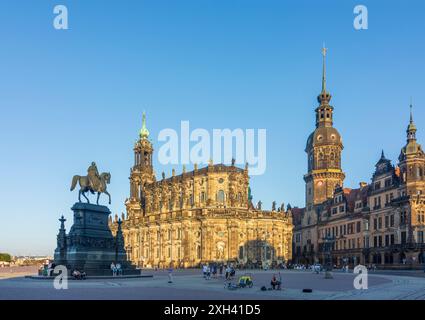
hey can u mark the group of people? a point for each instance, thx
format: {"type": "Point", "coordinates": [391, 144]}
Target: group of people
{"type": "Point", "coordinates": [78, 275]}
{"type": "Point", "coordinates": [116, 269]}
{"type": "Point", "coordinates": [47, 269]}
{"type": "Point", "coordinates": [371, 267]}
{"type": "Point", "coordinates": [215, 270]}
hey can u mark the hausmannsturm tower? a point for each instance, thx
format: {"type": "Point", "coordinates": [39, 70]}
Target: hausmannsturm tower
{"type": "Point", "coordinates": [324, 147]}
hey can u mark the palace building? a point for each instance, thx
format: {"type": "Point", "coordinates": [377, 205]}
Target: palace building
{"type": "Point", "coordinates": [202, 216]}
{"type": "Point", "coordinates": [380, 223]}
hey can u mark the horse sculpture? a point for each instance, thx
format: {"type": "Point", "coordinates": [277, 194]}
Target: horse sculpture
{"type": "Point", "coordinates": [85, 186]}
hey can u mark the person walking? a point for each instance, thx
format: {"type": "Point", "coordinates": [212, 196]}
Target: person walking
{"type": "Point", "coordinates": [204, 271]}
{"type": "Point", "coordinates": [119, 269]}
{"type": "Point", "coordinates": [214, 271]}
{"type": "Point", "coordinates": [113, 269]}
{"type": "Point", "coordinates": [208, 272]}
{"type": "Point", "coordinates": [170, 275]}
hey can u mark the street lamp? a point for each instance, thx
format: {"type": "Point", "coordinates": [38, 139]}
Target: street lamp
{"type": "Point", "coordinates": [328, 242]}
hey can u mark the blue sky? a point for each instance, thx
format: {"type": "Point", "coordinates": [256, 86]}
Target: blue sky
{"type": "Point", "coordinates": [73, 96]}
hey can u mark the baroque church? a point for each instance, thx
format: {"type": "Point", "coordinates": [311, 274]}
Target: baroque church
{"type": "Point", "coordinates": [202, 216]}
{"type": "Point", "coordinates": [381, 222]}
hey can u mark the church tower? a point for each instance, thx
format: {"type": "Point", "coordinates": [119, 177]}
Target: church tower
{"type": "Point", "coordinates": [412, 161]}
{"type": "Point", "coordinates": [324, 147]}
{"type": "Point", "coordinates": [412, 168]}
{"type": "Point", "coordinates": [142, 172]}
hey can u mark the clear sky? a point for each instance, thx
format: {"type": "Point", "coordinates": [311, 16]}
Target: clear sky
{"type": "Point", "coordinates": [69, 97]}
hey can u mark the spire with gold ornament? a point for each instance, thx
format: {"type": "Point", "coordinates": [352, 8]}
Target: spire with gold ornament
{"type": "Point", "coordinates": [412, 147]}
{"type": "Point", "coordinates": [323, 148]}
{"type": "Point", "coordinates": [144, 132]}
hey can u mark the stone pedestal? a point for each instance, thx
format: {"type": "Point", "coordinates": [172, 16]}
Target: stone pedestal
{"type": "Point", "coordinates": [90, 245]}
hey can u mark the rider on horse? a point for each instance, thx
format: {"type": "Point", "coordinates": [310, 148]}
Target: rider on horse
{"type": "Point", "coordinates": [93, 176]}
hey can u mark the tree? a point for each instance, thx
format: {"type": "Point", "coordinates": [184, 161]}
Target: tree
{"type": "Point", "coordinates": [5, 257]}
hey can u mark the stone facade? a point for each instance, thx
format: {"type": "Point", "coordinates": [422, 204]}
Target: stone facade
{"type": "Point", "coordinates": [378, 223]}
{"type": "Point", "coordinates": [205, 215]}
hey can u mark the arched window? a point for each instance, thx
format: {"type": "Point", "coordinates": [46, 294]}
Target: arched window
{"type": "Point", "coordinates": [332, 159]}
{"type": "Point", "coordinates": [310, 162]}
{"type": "Point", "coordinates": [241, 252]}
{"type": "Point", "coordinates": [268, 253]}
{"type": "Point", "coordinates": [181, 200]}
{"type": "Point", "coordinates": [147, 161]}
{"type": "Point", "coordinates": [198, 252]}
{"type": "Point", "coordinates": [321, 160]}
{"type": "Point", "coordinates": [220, 196]}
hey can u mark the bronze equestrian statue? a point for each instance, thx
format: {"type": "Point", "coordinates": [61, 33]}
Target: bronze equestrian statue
{"type": "Point", "coordinates": [93, 182]}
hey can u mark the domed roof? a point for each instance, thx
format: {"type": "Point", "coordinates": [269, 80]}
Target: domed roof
{"type": "Point", "coordinates": [323, 136]}
{"type": "Point", "coordinates": [411, 148]}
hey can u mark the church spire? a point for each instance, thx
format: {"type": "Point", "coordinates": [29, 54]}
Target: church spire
{"type": "Point", "coordinates": [411, 129]}
{"type": "Point", "coordinates": [144, 132]}
{"type": "Point", "coordinates": [324, 96]}
{"type": "Point", "coordinates": [324, 51]}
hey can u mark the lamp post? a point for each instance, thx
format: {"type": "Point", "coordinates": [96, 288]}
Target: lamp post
{"type": "Point", "coordinates": [328, 242]}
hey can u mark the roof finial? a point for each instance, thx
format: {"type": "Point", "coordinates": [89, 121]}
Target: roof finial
{"type": "Point", "coordinates": [144, 132]}
{"type": "Point", "coordinates": [324, 51]}
{"type": "Point", "coordinates": [411, 129]}
{"type": "Point", "coordinates": [382, 154]}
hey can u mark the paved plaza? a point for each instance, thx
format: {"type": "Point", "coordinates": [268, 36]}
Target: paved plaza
{"type": "Point", "coordinates": [190, 285]}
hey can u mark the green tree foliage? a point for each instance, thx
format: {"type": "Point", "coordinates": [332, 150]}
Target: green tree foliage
{"type": "Point", "coordinates": [5, 257]}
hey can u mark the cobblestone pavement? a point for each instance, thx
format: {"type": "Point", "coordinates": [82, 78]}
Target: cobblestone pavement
{"type": "Point", "coordinates": [190, 285]}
